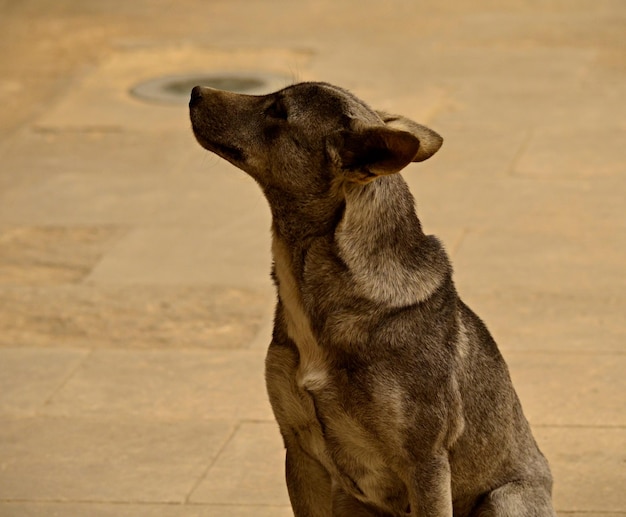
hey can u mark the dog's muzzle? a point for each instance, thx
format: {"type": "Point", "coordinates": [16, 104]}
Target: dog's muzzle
{"type": "Point", "coordinates": [196, 96]}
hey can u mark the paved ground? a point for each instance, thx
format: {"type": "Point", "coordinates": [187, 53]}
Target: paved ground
{"type": "Point", "coordinates": [134, 295]}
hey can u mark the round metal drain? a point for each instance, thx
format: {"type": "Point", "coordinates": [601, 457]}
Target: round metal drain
{"type": "Point", "coordinates": [175, 89]}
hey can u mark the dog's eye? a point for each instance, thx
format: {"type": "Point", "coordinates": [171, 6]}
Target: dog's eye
{"type": "Point", "coordinates": [277, 110]}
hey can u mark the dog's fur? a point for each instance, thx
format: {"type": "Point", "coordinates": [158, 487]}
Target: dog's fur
{"type": "Point", "coordinates": [391, 395]}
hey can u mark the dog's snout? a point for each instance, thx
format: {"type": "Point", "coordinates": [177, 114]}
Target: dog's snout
{"type": "Point", "coordinates": [196, 96]}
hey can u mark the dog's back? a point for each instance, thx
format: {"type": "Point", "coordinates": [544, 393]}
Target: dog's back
{"type": "Point", "coordinates": [390, 393]}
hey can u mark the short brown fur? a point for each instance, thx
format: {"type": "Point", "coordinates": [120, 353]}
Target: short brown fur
{"type": "Point", "coordinates": [391, 395]}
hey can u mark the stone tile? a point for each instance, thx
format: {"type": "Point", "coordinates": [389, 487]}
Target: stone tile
{"type": "Point", "coordinates": [542, 320]}
{"type": "Point", "coordinates": [235, 255]}
{"type": "Point", "coordinates": [98, 150]}
{"type": "Point", "coordinates": [583, 208]}
{"type": "Point", "coordinates": [30, 376]}
{"type": "Point", "coordinates": [70, 198]}
{"type": "Point", "coordinates": [52, 254]}
{"type": "Point", "coordinates": [587, 106]}
{"type": "Point", "coordinates": [97, 153]}
{"type": "Point", "coordinates": [580, 25]}
{"type": "Point", "coordinates": [503, 86]}
{"type": "Point", "coordinates": [570, 389]}
{"type": "Point", "coordinates": [130, 459]}
{"type": "Point", "coordinates": [504, 104]}
{"type": "Point", "coordinates": [121, 178]}
{"type": "Point", "coordinates": [577, 93]}
{"type": "Point", "coordinates": [592, 514]}
{"type": "Point", "coordinates": [574, 152]}
{"type": "Point", "coordinates": [250, 469]}
{"type": "Point", "coordinates": [541, 259]}
{"type": "Point", "coordinates": [470, 151]}
{"type": "Point", "coordinates": [131, 316]}
{"type": "Point", "coordinates": [399, 96]}
{"type": "Point", "coordinates": [69, 509]}
{"type": "Point", "coordinates": [103, 99]}
{"type": "Point", "coordinates": [503, 70]}
{"type": "Point", "coordinates": [588, 468]}
{"type": "Point", "coordinates": [264, 336]}
{"type": "Point", "coordinates": [213, 228]}
{"type": "Point", "coordinates": [217, 384]}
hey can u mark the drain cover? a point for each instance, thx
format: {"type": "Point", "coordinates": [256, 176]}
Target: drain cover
{"type": "Point", "coordinates": [175, 89]}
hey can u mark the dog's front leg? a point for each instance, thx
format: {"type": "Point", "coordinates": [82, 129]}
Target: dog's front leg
{"type": "Point", "coordinates": [308, 484]}
{"type": "Point", "coordinates": [430, 489]}
{"type": "Point", "coordinates": [345, 505]}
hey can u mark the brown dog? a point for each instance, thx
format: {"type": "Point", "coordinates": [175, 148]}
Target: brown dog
{"type": "Point", "coordinates": [390, 393]}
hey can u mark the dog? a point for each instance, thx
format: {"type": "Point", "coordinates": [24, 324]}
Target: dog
{"type": "Point", "coordinates": [391, 395]}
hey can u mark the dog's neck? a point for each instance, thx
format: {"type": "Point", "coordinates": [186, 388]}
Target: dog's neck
{"type": "Point", "coordinates": [377, 235]}
{"type": "Point", "coordinates": [380, 210]}
{"type": "Point", "coordinates": [381, 241]}
{"type": "Point", "coordinates": [297, 223]}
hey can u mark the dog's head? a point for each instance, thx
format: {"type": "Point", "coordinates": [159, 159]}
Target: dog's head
{"type": "Point", "coordinates": [304, 141]}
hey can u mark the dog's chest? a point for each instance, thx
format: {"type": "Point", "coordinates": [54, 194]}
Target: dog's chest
{"type": "Point", "coordinates": [352, 454]}
{"type": "Point", "coordinates": [312, 370]}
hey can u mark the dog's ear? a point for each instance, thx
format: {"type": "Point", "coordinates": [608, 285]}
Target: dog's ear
{"type": "Point", "coordinates": [372, 151]}
{"type": "Point", "coordinates": [430, 142]}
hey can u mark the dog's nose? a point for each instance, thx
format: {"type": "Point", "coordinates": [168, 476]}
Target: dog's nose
{"type": "Point", "coordinates": [196, 96]}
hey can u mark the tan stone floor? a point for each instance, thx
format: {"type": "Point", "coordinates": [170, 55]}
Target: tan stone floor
{"type": "Point", "coordinates": [135, 301]}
